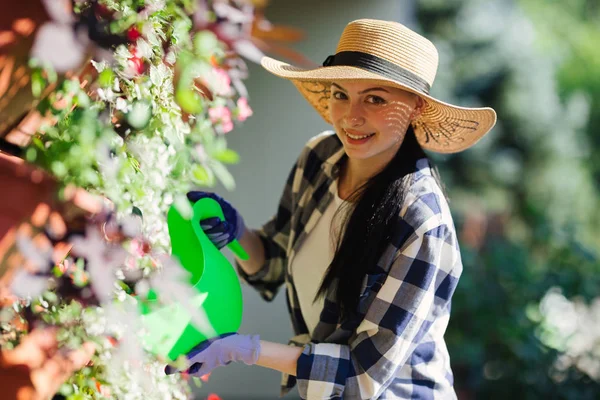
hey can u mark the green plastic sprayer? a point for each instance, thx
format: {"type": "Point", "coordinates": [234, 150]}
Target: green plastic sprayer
{"type": "Point", "coordinates": [170, 331]}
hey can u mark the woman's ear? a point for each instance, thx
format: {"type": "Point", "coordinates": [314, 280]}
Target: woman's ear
{"type": "Point", "coordinates": [419, 106]}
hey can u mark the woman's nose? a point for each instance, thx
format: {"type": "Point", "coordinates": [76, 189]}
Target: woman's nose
{"type": "Point", "coordinates": [355, 116]}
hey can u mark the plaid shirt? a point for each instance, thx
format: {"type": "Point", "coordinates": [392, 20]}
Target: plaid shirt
{"type": "Point", "coordinates": [394, 348]}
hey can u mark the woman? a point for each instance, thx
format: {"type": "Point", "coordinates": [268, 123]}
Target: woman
{"type": "Point", "coordinates": [363, 238]}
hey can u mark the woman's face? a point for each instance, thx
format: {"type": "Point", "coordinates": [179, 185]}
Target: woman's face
{"type": "Point", "coordinates": [371, 120]}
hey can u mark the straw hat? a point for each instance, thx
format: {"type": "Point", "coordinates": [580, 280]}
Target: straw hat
{"type": "Point", "coordinates": [388, 53]}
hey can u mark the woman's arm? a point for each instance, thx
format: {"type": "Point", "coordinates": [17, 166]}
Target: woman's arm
{"type": "Point", "coordinates": [410, 299]}
{"type": "Point", "coordinates": [256, 252]}
{"type": "Point", "coordinates": [279, 357]}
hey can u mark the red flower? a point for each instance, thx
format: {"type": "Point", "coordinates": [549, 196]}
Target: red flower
{"type": "Point", "coordinates": [213, 396]}
{"type": "Point", "coordinates": [136, 63]}
{"type": "Point", "coordinates": [133, 34]}
{"type": "Point", "coordinates": [103, 12]}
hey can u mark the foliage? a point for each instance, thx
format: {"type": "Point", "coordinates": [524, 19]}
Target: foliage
{"type": "Point", "coordinates": [140, 124]}
{"type": "Point", "coordinates": [525, 198]}
{"type": "Point", "coordinates": [150, 122]}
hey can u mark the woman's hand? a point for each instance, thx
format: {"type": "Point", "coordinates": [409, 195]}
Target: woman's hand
{"type": "Point", "coordinates": [218, 231]}
{"type": "Point", "coordinates": [225, 349]}
{"type": "Point", "coordinates": [221, 351]}
{"type": "Point", "coordinates": [37, 368]}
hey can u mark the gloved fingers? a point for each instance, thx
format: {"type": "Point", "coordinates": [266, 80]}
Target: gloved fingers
{"type": "Point", "coordinates": [197, 358]}
{"type": "Point", "coordinates": [215, 237]}
{"type": "Point", "coordinates": [170, 370]}
{"type": "Point", "coordinates": [223, 242]}
{"type": "Point", "coordinates": [201, 369]}
{"type": "Point", "coordinates": [222, 227]}
{"type": "Point", "coordinates": [210, 223]}
{"type": "Point", "coordinates": [196, 195]}
{"type": "Point", "coordinates": [195, 368]}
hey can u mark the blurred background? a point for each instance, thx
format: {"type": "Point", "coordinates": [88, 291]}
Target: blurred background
{"type": "Point", "coordinates": [526, 315]}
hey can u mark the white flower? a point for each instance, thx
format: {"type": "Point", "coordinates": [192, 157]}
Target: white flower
{"type": "Point", "coordinates": [27, 286]}
{"type": "Point", "coordinates": [172, 284]}
{"type": "Point", "coordinates": [24, 284]}
{"type": "Point", "coordinates": [109, 165]}
{"type": "Point", "coordinates": [573, 328]}
{"type": "Point", "coordinates": [102, 260]}
{"type": "Point", "coordinates": [121, 104]}
{"type": "Point", "coordinates": [40, 258]}
{"type": "Point", "coordinates": [132, 225]}
{"type": "Point", "coordinates": [106, 94]}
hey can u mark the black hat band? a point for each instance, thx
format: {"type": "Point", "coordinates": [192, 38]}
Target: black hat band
{"type": "Point", "coordinates": [379, 66]}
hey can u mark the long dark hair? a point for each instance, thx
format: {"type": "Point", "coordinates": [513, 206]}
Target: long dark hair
{"type": "Point", "coordinates": [367, 229]}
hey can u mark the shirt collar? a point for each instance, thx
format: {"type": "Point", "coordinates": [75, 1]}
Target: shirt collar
{"type": "Point", "coordinates": [332, 165]}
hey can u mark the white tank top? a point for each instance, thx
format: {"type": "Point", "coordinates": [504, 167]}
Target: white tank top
{"type": "Point", "coordinates": [312, 259]}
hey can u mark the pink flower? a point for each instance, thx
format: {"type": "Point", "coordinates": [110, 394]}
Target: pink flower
{"type": "Point", "coordinates": [218, 81]}
{"type": "Point", "coordinates": [64, 266]}
{"type": "Point", "coordinates": [244, 110]}
{"type": "Point", "coordinates": [221, 115]}
{"type": "Point", "coordinates": [227, 126]}
{"type": "Point", "coordinates": [222, 77]}
{"type": "Point", "coordinates": [204, 378]}
{"type": "Point", "coordinates": [138, 247]}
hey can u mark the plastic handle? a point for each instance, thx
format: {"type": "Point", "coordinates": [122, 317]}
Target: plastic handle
{"type": "Point", "coordinates": [208, 208]}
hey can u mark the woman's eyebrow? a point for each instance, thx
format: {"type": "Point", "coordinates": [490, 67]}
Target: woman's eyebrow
{"type": "Point", "coordinates": [373, 89]}
{"type": "Point", "coordinates": [338, 86]}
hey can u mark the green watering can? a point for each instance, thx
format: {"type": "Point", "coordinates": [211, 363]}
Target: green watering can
{"type": "Point", "coordinates": [170, 332]}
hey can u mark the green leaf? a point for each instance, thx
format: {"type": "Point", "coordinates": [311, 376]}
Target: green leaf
{"type": "Point", "coordinates": [66, 389]}
{"type": "Point", "coordinates": [197, 381]}
{"type": "Point", "coordinates": [51, 74]}
{"type": "Point", "coordinates": [223, 175]}
{"type": "Point", "coordinates": [227, 156]}
{"type": "Point", "coordinates": [99, 66]}
{"type": "Point", "coordinates": [38, 83]}
{"type": "Point", "coordinates": [31, 154]}
{"type": "Point", "coordinates": [82, 100]}
{"type": "Point", "coordinates": [59, 169]}
{"type": "Point", "coordinates": [205, 43]}
{"type": "Point", "coordinates": [156, 75]}
{"type": "Point", "coordinates": [189, 101]}
{"type": "Point", "coordinates": [202, 176]}
{"type": "Point", "coordinates": [106, 78]}
{"type": "Point", "coordinates": [137, 211]}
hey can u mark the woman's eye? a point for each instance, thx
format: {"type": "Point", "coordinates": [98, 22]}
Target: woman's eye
{"type": "Point", "coordinates": [375, 100]}
{"type": "Point", "coordinates": [339, 96]}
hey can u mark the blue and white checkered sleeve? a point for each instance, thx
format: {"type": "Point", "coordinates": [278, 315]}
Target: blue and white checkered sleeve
{"type": "Point", "coordinates": [416, 291]}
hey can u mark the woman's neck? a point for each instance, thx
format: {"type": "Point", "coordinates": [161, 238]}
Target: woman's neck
{"type": "Point", "coordinates": [356, 173]}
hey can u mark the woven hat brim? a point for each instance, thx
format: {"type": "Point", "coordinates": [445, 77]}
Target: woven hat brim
{"type": "Point", "coordinates": [441, 127]}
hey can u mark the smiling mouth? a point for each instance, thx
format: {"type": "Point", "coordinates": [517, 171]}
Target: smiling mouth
{"type": "Point", "coordinates": [358, 137]}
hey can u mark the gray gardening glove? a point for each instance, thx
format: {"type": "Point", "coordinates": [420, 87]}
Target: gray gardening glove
{"type": "Point", "coordinates": [221, 351]}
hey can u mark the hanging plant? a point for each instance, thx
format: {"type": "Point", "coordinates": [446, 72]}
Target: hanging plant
{"type": "Point", "coordinates": [133, 100]}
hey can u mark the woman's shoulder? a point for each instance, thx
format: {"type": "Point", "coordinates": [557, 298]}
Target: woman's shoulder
{"type": "Point", "coordinates": [425, 202]}
{"type": "Point", "coordinates": [319, 148]}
